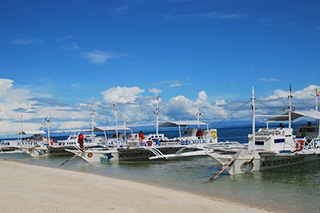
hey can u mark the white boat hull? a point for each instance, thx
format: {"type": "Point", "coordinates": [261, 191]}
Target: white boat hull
{"type": "Point", "coordinates": [257, 161]}
{"type": "Point", "coordinates": [92, 156]}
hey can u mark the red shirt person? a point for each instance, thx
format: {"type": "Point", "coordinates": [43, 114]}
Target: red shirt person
{"type": "Point", "coordinates": [141, 136]}
{"type": "Point", "coordinates": [80, 139]}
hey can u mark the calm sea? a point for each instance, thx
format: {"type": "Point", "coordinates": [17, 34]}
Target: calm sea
{"type": "Point", "coordinates": [290, 189]}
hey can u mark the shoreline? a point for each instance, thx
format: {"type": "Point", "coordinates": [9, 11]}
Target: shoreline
{"type": "Point", "coordinates": [33, 188]}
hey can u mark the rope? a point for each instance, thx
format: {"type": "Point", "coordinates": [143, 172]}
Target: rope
{"type": "Point", "coordinates": [233, 112]}
{"type": "Point", "coordinates": [267, 106]}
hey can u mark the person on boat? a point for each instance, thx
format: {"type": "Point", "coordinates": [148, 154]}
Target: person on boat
{"type": "Point", "coordinates": [80, 140]}
{"type": "Point", "coordinates": [281, 125]}
{"type": "Point", "coordinates": [199, 133]}
{"type": "Point", "coordinates": [141, 136]}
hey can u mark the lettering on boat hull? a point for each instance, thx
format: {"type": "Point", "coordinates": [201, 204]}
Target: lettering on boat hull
{"type": "Point", "coordinates": [269, 162]}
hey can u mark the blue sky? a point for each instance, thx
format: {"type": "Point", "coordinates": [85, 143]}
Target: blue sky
{"type": "Point", "coordinates": [59, 56]}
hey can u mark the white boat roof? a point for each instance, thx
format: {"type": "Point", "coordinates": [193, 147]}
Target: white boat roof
{"type": "Point", "coordinates": [181, 123]}
{"type": "Point", "coordinates": [72, 130]}
{"type": "Point", "coordinates": [296, 115]}
{"type": "Point", "coordinates": [110, 128]}
{"type": "Point", "coordinates": [33, 132]}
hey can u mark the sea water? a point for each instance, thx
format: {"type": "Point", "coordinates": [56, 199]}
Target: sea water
{"type": "Point", "coordinates": [288, 189]}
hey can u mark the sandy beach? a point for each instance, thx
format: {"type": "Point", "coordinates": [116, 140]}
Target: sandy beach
{"type": "Point", "coordinates": [30, 188]}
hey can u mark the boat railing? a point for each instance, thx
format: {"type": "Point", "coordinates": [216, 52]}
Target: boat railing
{"type": "Point", "coordinates": [314, 143]}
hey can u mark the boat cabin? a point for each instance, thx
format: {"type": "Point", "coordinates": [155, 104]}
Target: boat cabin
{"type": "Point", "coordinates": [272, 139]}
{"type": "Point", "coordinates": [309, 131]}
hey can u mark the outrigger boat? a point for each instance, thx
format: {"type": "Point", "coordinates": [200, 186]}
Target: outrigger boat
{"type": "Point", "coordinates": [27, 141]}
{"type": "Point", "coordinates": [270, 148]}
{"type": "Point", "coordinates": [156, 146]}
{"type": "Point", "coordinates": [153, 146]}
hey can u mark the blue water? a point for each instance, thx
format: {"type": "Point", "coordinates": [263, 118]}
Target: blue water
{"type": "Point", "coordinates": [291, 189]}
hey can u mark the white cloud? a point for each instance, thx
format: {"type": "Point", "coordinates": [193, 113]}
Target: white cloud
{"type": "Point", "coordinates": [176, 85]}
{"type": "Point", "coordinates": [269, 79]}
{"type": "Point", "coordinates": [132, 104]}
{"type": "Point", "coordinates": [17, 102]}
{"type": "Point", "coordinates": [78, 86]}
{"type": "Point", "coordinates": [155, 91]}
{"type": "Point", "coordinates": [97, 56]}
{"type": "Point", "coordinates": [218, 15]}
{"type": "Point", "coordinates": [306, 93]}
{"type": "Point", "coordinates": [23, 41]}
{"type": "Point", "coordinates": [220, 102]}
{"type": "Point", "coordinates": [121, 94]}
{"type": "Point", "coordinates": [202, 96]}
{"type": "Point", "coordinates": [207, 15]}
{"type": "Point", "coordinates": [5, 84]}
{"type": "Point", "coordinates": [170, 83]}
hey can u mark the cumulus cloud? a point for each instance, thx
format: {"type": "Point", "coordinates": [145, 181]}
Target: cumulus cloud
{"type": "Point", "coordinates": [306, 93]}
{"type": "Point", "coordinates": [121, 94]}
{"type": "Point", "coordinates": [134, 105]}
{"type": "Point", "coordinates": [5, 84]}
{"type": "Point", "coordinates": [220, 102]}
{"type": "Point", "coordinates": [202, 96]}
{"type": "Point", "coordinates": [155, 91]}
{"type": "Point", "coordinates": [21, 102]}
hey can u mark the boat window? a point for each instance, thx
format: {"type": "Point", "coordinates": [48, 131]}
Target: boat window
{"type": "Point", "coordinates": [260, 143]}
{"type": "Point", "coordinates": [279, 140]}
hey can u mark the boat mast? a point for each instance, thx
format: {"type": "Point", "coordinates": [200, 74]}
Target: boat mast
{"type": "Point", "coordinates": [157, 115]}
{"type": "Point", "coordinates": [21, 127]}
{"type": "Point", "coordinates": [198, 116]}
{"type": "Point", "coordinates": [116, 117]}
{"type": "Point", "coordinates": [317, 107]}
{"type": "Point", "coordinates": [253, 120]}
{"type": "Point", "coordinates": [48, 127]}
{"type": "Point", "coordinates": [290, 107]}
{"type": "Point", "coordinates": [92, 120]}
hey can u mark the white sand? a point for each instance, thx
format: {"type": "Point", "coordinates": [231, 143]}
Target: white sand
{"type": "Point", "coordinates": [30, 188]}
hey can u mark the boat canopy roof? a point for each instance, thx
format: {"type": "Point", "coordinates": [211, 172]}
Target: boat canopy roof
{"type": "Point", "coordinates": [73, 130]}
{"type": "Point", "coordinates": [296, 115]}
{"type": "Point", "coordinates": [110, 128]}
{"type": "Point", "coordinates": [33, 132]}
{"type": "Point", "coordinates": [181, 123]}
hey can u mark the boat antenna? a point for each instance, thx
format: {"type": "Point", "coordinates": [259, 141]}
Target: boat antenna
{"type": "Point", "coordinates": [290, 106]}
{"type": "Point", "coordinates": [157, 115]}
